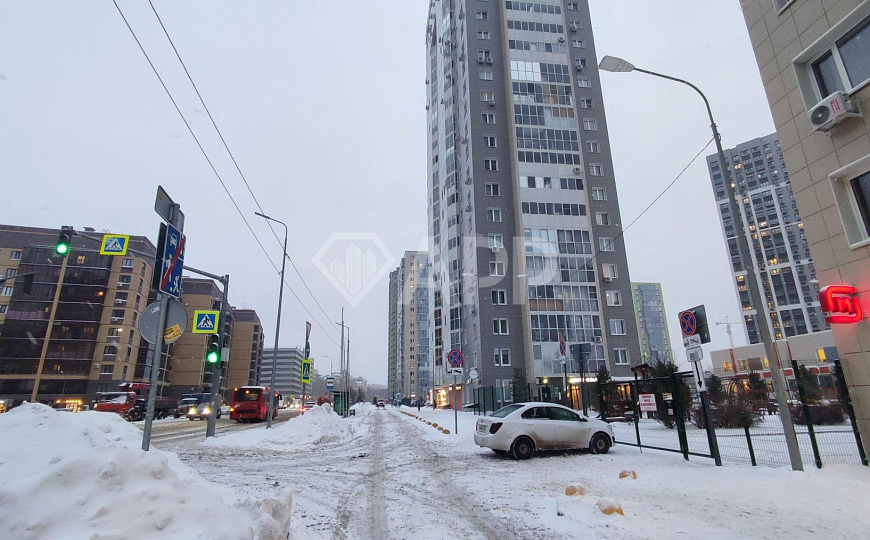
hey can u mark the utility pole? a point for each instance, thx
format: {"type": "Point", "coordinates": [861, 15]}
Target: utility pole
{"type": "Point", "coordinates": [728, 324]}
{"type": "Point", "coordinates": [341, 362]}
{"type": "Point", "coordinates": [347, 379]}
{"type": "Point", "coordinates": [51, 317]}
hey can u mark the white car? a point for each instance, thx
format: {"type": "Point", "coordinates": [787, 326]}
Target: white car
{"type": "Point", "coordinates": [523, 428]}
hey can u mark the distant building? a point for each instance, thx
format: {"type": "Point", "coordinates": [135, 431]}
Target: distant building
{"type": "Point", "coordinates": [649, 311]}
{"type": "Point", "coordinates": [409, 327]}
{"type": "Point", "coordinates": [393, 379]}
{"type": "Point", "coordinates": [288, 375]}
{"type": "Point", "coordinates": [780, 254]}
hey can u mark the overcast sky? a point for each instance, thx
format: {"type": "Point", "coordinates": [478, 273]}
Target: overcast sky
{"type": "Point", "coordinates": [322, 104]}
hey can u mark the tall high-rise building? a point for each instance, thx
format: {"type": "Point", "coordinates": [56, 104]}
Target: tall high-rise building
{"type": "Point", "coordinates": [813, 63]}
{"type": "Point", "coordinates": [652, 325]}
{"type": "Point", "coordinates": [524, 220]}
{"type": "Point", "coordinates": [780, 254]}
{"type": "Point", "coordinates": [392, 336]}
{"type": "Point", "coordinates": [409, 328]}
{"type": "Point", "coordinates": [288, 373]}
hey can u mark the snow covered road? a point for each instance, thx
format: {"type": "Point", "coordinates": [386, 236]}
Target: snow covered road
{"type": "Point", "coordinates": [394, 476]}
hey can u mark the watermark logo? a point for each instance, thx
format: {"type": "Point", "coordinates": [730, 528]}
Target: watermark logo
{"type": "Point", "coordinates": [353, 263]}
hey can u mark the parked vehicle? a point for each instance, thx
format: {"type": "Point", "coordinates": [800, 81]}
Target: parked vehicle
{"type": "Point", "coordinates": [308, 405]}
{"type": "Point", "coordinates": [381, 403]}
{"type": "Point", "coordinates": [131, 402]}
{"type": "Point", "coordinates": [251, 403]}
{"type": "Point", "coordinates": [522, 429]}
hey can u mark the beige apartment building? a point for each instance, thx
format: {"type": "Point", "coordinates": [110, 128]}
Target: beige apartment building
{"type": "Point", "coordinates": [814, 60]}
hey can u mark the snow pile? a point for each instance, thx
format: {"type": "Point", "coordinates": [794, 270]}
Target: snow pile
{"type": "Point", "coordinates": [66, 475]}
{"type": "Point", "coordinates": [317, 426]}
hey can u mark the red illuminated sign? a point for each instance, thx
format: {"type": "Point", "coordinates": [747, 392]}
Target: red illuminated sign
{"type": "Point", "coordinates": [840, 304]}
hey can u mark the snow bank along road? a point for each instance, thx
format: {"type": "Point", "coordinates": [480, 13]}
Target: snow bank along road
{"type": "Point", "coordinates": [399, 478]}
{"type": "Point", "coordinates": [179, 429]}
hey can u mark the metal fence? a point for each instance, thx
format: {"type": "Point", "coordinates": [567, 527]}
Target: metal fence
{"type": "Point", "coordinates": [743, 414]}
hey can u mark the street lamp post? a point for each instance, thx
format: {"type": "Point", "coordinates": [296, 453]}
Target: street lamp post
{"type": "Point", "coordinates": [618, 65]}
{"type": "Point", "coordinates": [277, 323]}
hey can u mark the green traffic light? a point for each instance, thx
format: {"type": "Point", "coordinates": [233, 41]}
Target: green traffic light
{"type": "Point", "coordinates": [62, 249]}
{"type": "Point", "coordinates": [212, 357]}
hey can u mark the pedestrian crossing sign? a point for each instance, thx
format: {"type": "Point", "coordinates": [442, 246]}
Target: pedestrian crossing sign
{"type": "Point", "coordinates": [205, 321]}
{"type": "Point", "coordinates": [306, 370]}
{"type": "Point", "coordinates": [114, 244]}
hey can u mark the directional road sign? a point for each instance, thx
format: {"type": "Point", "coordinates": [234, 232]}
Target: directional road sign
{"type": "Point", "coordinates": [306, 370]}
{"type": "Point", "coordinates": [330, 383]}
{"type": "Point", "coordinates": [172, 263]}
{"type": "Point", "coordinates": [114, 244]}
{"type": "Point", "coordinates": [454, 358]}
{"type": "Point", "coordinates": [205, 321]}
{"type": "Point", "coordinates": [700, 383]}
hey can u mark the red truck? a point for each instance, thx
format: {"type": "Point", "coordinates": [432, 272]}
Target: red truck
{"type": "Point", "coordinates": [130, 401]}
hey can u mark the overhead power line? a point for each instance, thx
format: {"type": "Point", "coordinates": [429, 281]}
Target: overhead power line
{"type": "Point", "coordinates": [232, 157]}
{"type": "Point", "coordinates": [214, 170]}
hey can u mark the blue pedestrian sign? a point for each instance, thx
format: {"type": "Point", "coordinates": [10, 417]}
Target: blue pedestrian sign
{"type": "Point", "coordinates": [205, 321]}
{"type": "Point", "coordinates": [172, 263]}
{"type": "Point", "coordinates": [114, 244]}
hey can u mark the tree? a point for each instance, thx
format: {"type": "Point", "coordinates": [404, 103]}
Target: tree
{"type": "Point", "coordinates": [810, 382]}
{"type": "Point", "coordinates": [715, 390]}
{"type": "Point", "coordinates": [603, 375]}
{"type": "Point", "coordinates": [360, 395]}
{"type": "Point", "coordinates": [520, 386]}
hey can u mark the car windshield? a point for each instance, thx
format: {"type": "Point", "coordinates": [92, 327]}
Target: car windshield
{"type": "Point", "coordinates": [504, 411]}
{"type": "Point", "coordinates": [113, 398]}
{"type": "Point", "coordinates": [247, 394]}
{"type": "Point", "coordinates": [189, 401]}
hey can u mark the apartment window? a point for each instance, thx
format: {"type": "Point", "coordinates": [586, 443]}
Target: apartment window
{"type": "Point", "coordinates": [584, 82]}
{"type": "Point", "coordinates": [120, 298]}
{"type": "Point", "coordinates": [496, 241]}
{"type": "Point", "coordinates": [6, 291]}
{"type": "Point", "coordinates": [605, 243]}
{"type": "Point", "coordinates": [609, 270]}
{"type": "Point", "coordinates": [585, 103]}
{"type": "Point", "coordinates": [496, 268]}
{"type": "Point", "coordinates": [502, 357]}
{"type": "Point", "coordinates": [617, 327]}
{"type": "Point", "coordinates": [500, 327]}
{"type": "Point", "coordinates": [593, 147]}
{"type": "Point", "coordinates": [487, 95]}
{"type": "Point", "coordinates": [851, 187]}
{"type": "Point", "coordinates": [11, 272]}
{"type": "Point", "coordinates": [128, 354]}
{"type": "Point", "coordinates": [124, 373]}
{"type": "Point", "coordinates": [490, 164]}
{"type": "Point", "coordinates": [482, 34]}
{"type": "Point", "coordinates": [127, 263]}
{"type": "Point", "coordinates": [780, 5]}
{"type": "Point", "coordinates": [107, 369]}
{"type": "Point", "coordinates": [499, 297]}
{"type": "Point", "coordinates": [114, 332]}
{"type": "Point", "coordinates": [620, 357]}
{"type": "Point", "coordinates": [489, 141]}
{"type": "Point", "coordinates": [578, 44]}
{"type": "Point", "coordinates": [485, 74]}
{"type": "Point", "coordinates": [482, 16]}
{"type": "Point", "coordinates": [573, 6]}
{"type": "Point", "coordinates": [483, 55]}
{"type": "Point", "coordinates": [838, 61]}
{"type": "Point", "coordinates": [860, 187]}
{"type": "Point", "coordinates": [602, 218]}
{"type": "Point", "coordinates": [614, 298]}
{"type": "Point", "coordinates": [15, 255]}
{"type": "Point", "coordinates": [488, 118]}
{"type": "Point", "coordinates": [493, 214]}
{"type": "Point", "coordinates": [110, 350]}
{"type": "Point", "coordinates": [124, 279]}
{"type": "Point", "coordinates": [118, 314]}
{"type": "Point", "coordinates": [596, 169]}
{"type": "Point", "coordinates": [590, 124]}
{"type": "Point", "coordinates": [3, 308]}
{"type": "Point", "coordinates": [599, 194]}
{"type": "Point", "coordinates": [493, 189]}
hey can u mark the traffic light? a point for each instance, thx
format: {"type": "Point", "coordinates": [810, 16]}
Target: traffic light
{"type": "Point", "coordinates": [213, 350]}
{"type": "Point", "coordinates": [63, 240]}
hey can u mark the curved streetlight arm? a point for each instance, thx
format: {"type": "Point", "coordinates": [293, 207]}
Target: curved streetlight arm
{"type": "Point", "coordinates": [687, 83]}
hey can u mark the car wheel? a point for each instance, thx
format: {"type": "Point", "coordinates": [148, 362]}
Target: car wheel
{"type": "Point", "coordinates": [523, 448]}
{"type": "Point", "coordinates": [600, 444]}
{"type": "Point", "coordinates": [218, 415]}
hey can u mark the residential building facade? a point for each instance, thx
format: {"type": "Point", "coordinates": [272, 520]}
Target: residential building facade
{"type": "Point", "coordinates": [94, 342]}
{"type": "Point", "coordinates": [652, 324]}
{"type": "Point", "coordinates": [393, 378]}
{"type": "Point", "coordinates": [780, 253]}
{"type": "Point", "coordinates": [815, 69]}
{"type": "Point", "coordinates": [413, 370]}
{"type": "Point", "coordinates": [288, 374]}
{"type": "Point", "coordinates": [524, 221]}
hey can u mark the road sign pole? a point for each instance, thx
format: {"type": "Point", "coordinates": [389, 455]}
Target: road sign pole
{"type": "Point", "coordinates": [217, 368]}
{"type": "Point", "coordinates": [455, 406]}
{"type": "Point", "coordinates": [155, 367]}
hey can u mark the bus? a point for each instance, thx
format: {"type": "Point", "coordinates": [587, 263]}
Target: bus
{"type": "Point", "coordinates": [251, 403]}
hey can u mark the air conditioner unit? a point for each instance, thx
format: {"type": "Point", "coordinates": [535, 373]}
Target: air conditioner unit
{"type": "Point", "coordinates": [480, 60]}
{"type": "Point", "coordinates": [598, 339]}
{"type": "Point", "coordinates": [492, 103]}
{"type": "Point", "coordinates": [608, 279]}
{"type": "Point", "coordinates": [578, 67]}
{"type": "Point", "coordinates": [831, 111]}
{"type": "Point", "coordinates": [573, 28]}
{"type": "Point", "coordinates": [462, 58]}
{"type": "Point", "coordinates": [448, 76]}
{"type": "Point", "coordinates": [468, 181]}
{"type": "Point", "coordinates": [577, 170]}
{"type": "Point", "coordinates": [561, 39]}
{"type": "Point", "coordinates": [96, 366]}
{"type": "Point", "coordinates": [488, 60]}
{"type": "Point", "coordinates": [495, 249]}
